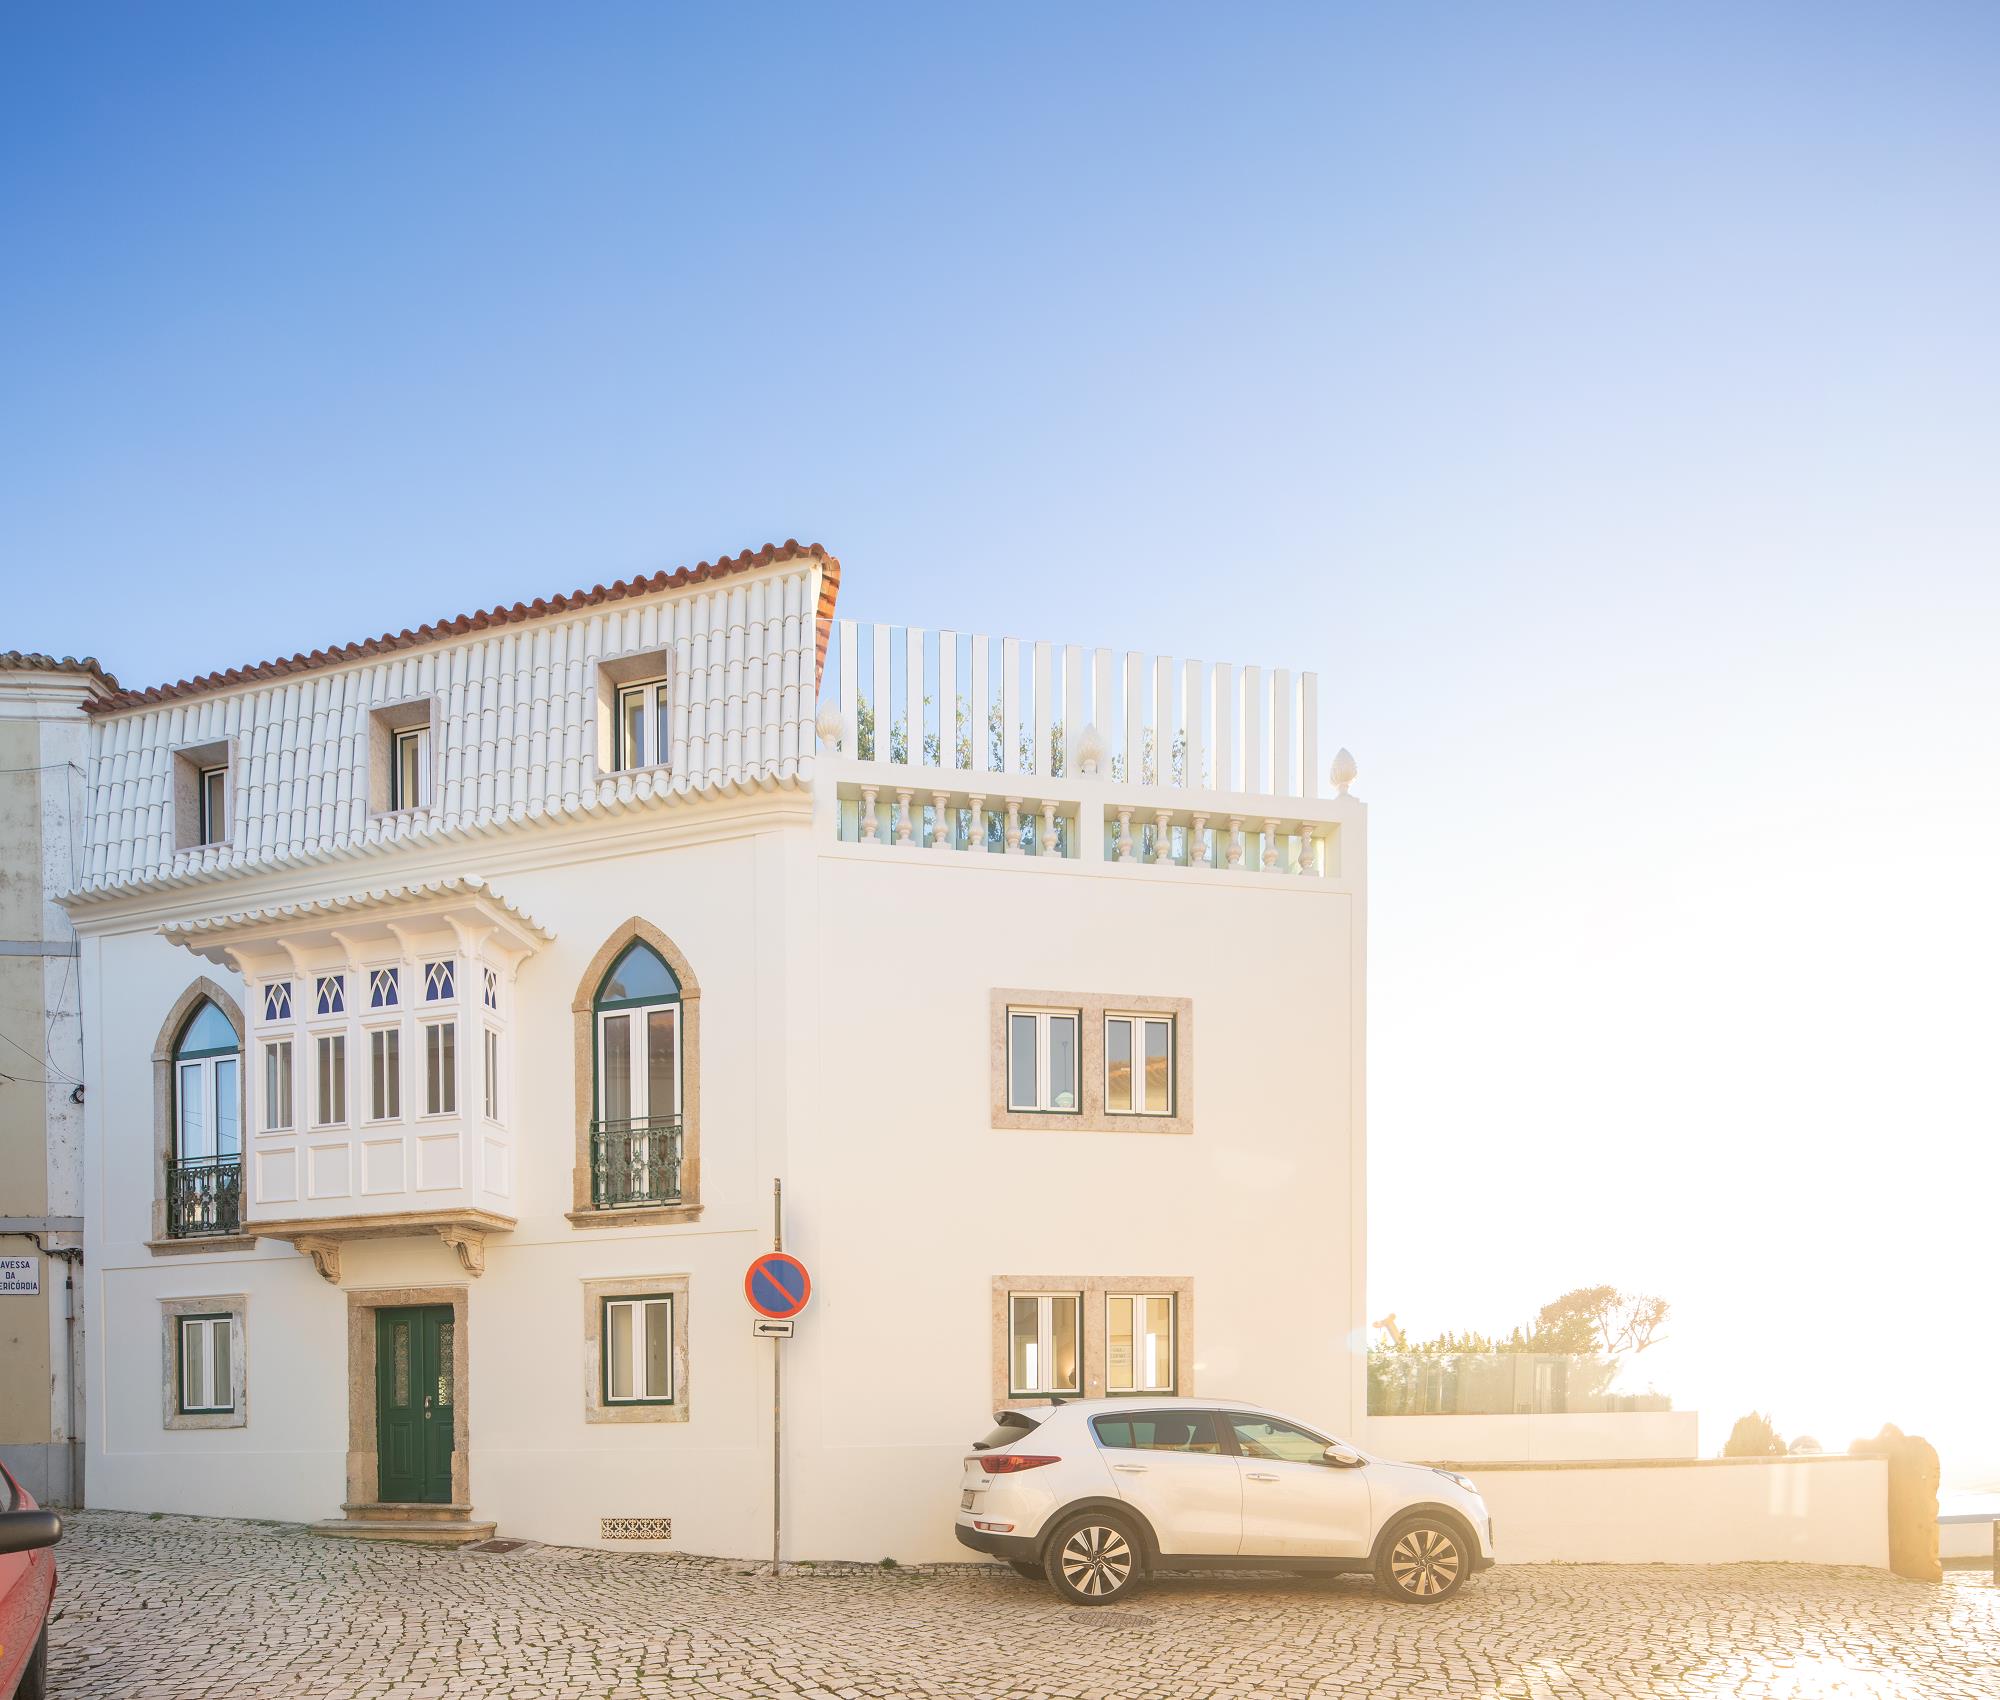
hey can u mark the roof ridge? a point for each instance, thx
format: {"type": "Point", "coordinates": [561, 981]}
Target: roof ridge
{"type": "Point", "coordinates": [643, 585]}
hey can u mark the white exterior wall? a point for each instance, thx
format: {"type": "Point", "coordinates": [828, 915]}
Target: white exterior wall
{"type": "Point", "coordinates": [1823, 1510]}
{"type": "Point", "coordinates": [1530, 1438]}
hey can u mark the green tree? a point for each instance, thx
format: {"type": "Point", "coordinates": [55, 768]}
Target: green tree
{"type": "Point", "coordinates": [1753, 1437]}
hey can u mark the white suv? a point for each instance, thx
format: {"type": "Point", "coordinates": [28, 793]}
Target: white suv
{"type": "Point", "coordinates": [1094, 1493]}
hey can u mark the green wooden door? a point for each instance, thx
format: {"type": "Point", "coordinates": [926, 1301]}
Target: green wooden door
{"type": "Point", "coordinates": [413, 1404]}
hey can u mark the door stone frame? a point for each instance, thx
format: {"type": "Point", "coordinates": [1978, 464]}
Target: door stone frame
{"type": "Point", "coordinates": [364, 1481]}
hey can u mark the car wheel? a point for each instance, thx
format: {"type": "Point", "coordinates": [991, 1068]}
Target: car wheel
{"type": "Point", "coordinates": [1423, 1561]}
{"type": "Point", "coordinates": [1093, 1559]}
{"type": "Point", "coordinates": [1026, 1567]}
{"type": "Point", "coordinates": [35, 1673]}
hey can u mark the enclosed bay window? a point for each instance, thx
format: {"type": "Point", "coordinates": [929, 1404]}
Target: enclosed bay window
{"type": "Point", "coordinates": [1044, 1344]}
{"type": "Point", "coordinates": [410, 768]}
{"type": "Point", "coordinates": [1138, 1065]}
{"type": "Point", "coordinates": [1042, 1060]}
{"type": "Point", "coordinates": [385, 1073]}
{"type": "Point", "coordinates": [329, 1079]}
{"type": "Point", "coordinates": [635, 1136]}
{"type": "Point", "coordinates": [207, 1380]}
{"type": "Point", "coordinates": [638, 1339]}
{"type": "Point", "coordinates": [204, 1180]}
{"type": "Point", "coordinates": [1138, 1343]}
{"type": "Point", "coordinates": [440, 1068]}
{"type": "Point", "coordinates": [642, 733]}
{"type": "Point", "coordinates": [277, 1085]}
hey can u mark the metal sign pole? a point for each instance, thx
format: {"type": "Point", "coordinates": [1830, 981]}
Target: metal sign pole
{"type": "Point", "coordinates": [777, 1379]}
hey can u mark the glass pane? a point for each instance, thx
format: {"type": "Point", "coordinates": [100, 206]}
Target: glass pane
{"type": "Point", "coordinates": [1118, 1346]}
{"type": "Point", "coordinates": [218, 1333]}
{"type": "Point", "coordinates": [662, 1093]}
{"type": "Point", "coordinates": [658, 1332]}
{"type": "Point", "coordinates": [1260, 1437]}
{"type": "Point", "coordinates": [386, 1073]}
{"type": "Point", "coordinates": [492, 1075]}
{"type": "Point", "coordinates": [399, 1391]}
{"type": "Point", "coordinates": [663, 738]}
{"type": "Point", "coordinates": [640, 973]}
{"type": "Point", "coordinates": [616, 1067]}
{"type": "Point", "coordinates": [215, 805]}
{"type": "Point", "coordinates": [632, 705]}
{"type": "Point", "coordinates": [336, 1077]}
{"type": "Point", "coordinates": [444, 1080]}
{"type": "Point", "coordinates": [1118, 1065]}
{"type": "Point", "coordinates": [1024, 1349]}
{"type": "Point", "coordinates": [228, 1108]}
{"type": "Point", "coordinates": [1177, 1431]}
{"type": "Point", "coordinates": [1062, 1062]}
{"type": "Point", "coordinates": [208, 1031]}
{"type": "Point", "coordinates": [1063, 1345]}
{"type": "Point", "coordinates": [618, 1348]}
{"type": "Point", "coordinates": [1157, 1083]}
{"type": "Point", "coordinates": [446, 1330]}
{"type": "Point", "coordinates": [1022, 1093]}
{"type": "Point", "coordinates": [410, 787]}
{"type": "Point", "coordinates": [194, 1365]}
{"type": "Point", "coordinates": [190, 1100]}
{"type": "Point", "coordinates": [277, 1108]}
{"type": "Point", "coordinates": [1157, 1358]}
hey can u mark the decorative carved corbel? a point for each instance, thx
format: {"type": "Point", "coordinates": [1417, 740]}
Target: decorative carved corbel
{"type": "Point", "coordinates": [325, 1253]}
{"type": "Point", "coordinates": [470, 1244]}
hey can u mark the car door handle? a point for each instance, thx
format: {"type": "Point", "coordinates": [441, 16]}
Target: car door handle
{"type": "Point", "coordinates": [1131, 1469]}
{"type": "Point", "coordinates": [1261, 1476]}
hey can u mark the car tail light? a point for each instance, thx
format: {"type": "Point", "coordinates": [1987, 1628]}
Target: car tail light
{"type": "Point", "coordinates": [1009, 1463]}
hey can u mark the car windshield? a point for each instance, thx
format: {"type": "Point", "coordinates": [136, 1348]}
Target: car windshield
{"type": "Point", "coordinates": [1010, 1427]}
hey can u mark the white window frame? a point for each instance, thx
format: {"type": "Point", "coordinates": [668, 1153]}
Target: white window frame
{"type": "Point", "coordinates": [329, 996]}
{"type": "Point", "coordinates": [277, 1001]}
{"type": "Point", "coordinates": [201, 1077]}
{"type": "Point", "coordinates": [274, 1049]}
{"type": "Point", "coordinates": [1045, 1105]}
{"type": "Point", "coordinates": [334, 1040]}
{"type": "Point", "coordinates": [439, 1077]}
{"type": "Point", "coordinates": [212, 1401]}
{"type": "Point", "coordinates": [1045, 1337]}
{"type": "Point", "coordinates": [641, 1393]}
{"type": "Point", "coordinates": [370, 1034]}
{"type": "Point", "coordinates": [654, 697]}
{"type": "Point", "coordinates": [439, 972]}
{"type": "Point", "coordinates": [1138, 1024]}
{"type": "Point", "coordinates": [1137, 1300]}
{"type": "Point", "coordinates": [211, 800]}
{"type": "Point", "coordinates": [490, 1056]}
{"type": "Point", "coordinates": [642, 1109]}
{"type": "Point", "coordinates": [384, 977]}
{"type": "Point", "coordinates": [419, 738]}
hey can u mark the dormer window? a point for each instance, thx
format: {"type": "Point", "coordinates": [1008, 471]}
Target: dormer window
{"type": "Point", "coordinates": [643, 735]}
{"type": "Point", "coordinates": [201, 795]}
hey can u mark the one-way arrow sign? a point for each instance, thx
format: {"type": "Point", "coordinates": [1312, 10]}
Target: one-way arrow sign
{"type": "Point", "coordinates": [771, 1327]}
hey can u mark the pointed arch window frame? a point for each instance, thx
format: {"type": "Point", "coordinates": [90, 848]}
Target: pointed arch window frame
{"type": "Point", "coordinates": [587, 1009]}
{"type": "Point", "coordinates": [186, 1009]}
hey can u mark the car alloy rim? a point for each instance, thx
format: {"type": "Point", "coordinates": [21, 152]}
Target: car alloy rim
{"type": "Point", "coordinates": [1424, 1562]}
{"type": "Point", "coordinates": [1096, 1560]}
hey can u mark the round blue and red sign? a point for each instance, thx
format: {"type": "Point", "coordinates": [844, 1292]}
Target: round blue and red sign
{"type": "Point", "coordinates": [777, 1285]}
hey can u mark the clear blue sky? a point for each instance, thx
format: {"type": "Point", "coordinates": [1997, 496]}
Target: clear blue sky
{"type": "Point", "coordinates": [1605, 399]}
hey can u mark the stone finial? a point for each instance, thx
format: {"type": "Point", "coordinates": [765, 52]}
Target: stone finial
{"type": "Point", "coordinates": [1089, 751]}
{"type": "Point", "coordinates": [828, 725]}
{"type": "Point", "coordinates": [1344, 772]}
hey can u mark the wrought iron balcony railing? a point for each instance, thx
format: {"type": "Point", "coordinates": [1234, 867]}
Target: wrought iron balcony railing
{"type": "Point", "coordinates": [204, 1196]}
{"type": "Point", "coordinates": [635, 1162]}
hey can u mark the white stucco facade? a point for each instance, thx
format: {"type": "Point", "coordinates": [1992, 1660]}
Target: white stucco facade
{"type": "Point", "coordinates": [849, 921]}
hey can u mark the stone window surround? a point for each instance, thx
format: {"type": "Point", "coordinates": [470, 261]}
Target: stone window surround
{"type": "Point", "coordinates": [383, 724]}
{"type": "Point", "coordinates": [582, 1213]}
{"type": "Point", "coordinates": [188, 761]}
{"type": "Point", "coordinates": [364, 1459]}
{"type": "Point", "coordinates": [163, 1116]}
{"type": "Point", "coordinates": [614, 671]}
{"type": "Point", "coordinates": [1092, 1117]}
{"type": "Point", "coordinates": [1095, 1290]}
{"type": "Point", "coordinates": [236, 1306]}
{"type": "Point", "coordinates": [595, 1291]}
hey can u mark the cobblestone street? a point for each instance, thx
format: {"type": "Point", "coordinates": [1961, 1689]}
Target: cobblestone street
{"type": "Point", "coordinates": [179, 1608]}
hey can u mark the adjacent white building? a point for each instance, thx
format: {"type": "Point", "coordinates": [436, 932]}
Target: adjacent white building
{"type": "Point", "coordinates": [457, 1003]}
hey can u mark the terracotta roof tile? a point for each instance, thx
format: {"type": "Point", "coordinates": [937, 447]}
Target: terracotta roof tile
{"type": "Point", "coordinates": [646, 585]}
{"type": "Point", "coordinates": [33, 661]}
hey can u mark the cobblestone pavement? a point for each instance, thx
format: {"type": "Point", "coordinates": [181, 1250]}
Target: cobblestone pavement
{"type": "Point", "coordinates": [182, 1608]}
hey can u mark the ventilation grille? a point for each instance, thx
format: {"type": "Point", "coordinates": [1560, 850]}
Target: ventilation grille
{"type": "Point", "coordinates": [635, 1528]}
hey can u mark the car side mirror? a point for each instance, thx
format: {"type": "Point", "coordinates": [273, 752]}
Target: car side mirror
{"type": "Point", "coordinates": [1343, 1457]}
{"type": "Point", "coordinates": [24, 1531]}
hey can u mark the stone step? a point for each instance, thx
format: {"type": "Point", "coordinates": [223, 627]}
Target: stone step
{"type": "Point", "coordinates": [408, 1511]}
{"type": "Point", "coordinates": [427, 1531]}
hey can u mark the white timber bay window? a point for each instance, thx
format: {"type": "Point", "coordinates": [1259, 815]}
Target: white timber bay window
{"type": "Point", "coordinates": [1138, 1065]}
{"type": "Point", "coordinates": [1139, 1343]}
{"type": "Point", "coordinates": [1042, 1060]}
{"type": "Point", "coordinates": [1044, 1344]}
{"type": "Point", "coordinates": [638, 1350]}
{"type": "Point", "coordinates": [207, 1381]}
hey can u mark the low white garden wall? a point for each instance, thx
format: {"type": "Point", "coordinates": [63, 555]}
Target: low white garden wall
{"type": "Point", "coordinates": [1529, 1438]}
{"type": "Point", "coordinates": [1817, 1510]}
